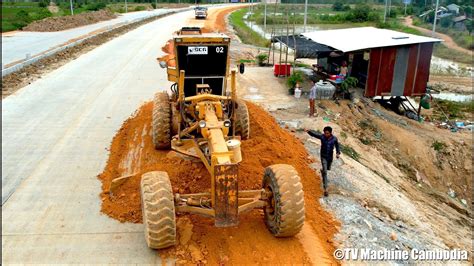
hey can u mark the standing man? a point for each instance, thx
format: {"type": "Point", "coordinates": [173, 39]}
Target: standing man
{"type": "Point", "coordinates": [312, 97]}
{"type": "Point", "coordinates": [328, 142]}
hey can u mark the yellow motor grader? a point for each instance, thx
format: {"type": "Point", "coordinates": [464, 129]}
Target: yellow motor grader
{"type": "Point", "coordinates": [202, 119]}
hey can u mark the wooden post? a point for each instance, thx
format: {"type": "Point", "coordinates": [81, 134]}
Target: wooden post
{"type": "Point", "coordinates": [419, 108]}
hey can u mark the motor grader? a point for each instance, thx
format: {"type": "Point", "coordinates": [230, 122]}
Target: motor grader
{"type": "Point", "coordinates": [203, 119]}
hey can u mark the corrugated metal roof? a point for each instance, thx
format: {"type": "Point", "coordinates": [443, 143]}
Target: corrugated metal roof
{"type": "Point", "coordinates": [354, 39]}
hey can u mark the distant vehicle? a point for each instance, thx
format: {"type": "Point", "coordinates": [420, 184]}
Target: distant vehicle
{"type": "Point", "coordinates": [200, 12]}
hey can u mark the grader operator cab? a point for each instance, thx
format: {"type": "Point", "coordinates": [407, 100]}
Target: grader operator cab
{"type": "Point", "coordinates": [203, 119]}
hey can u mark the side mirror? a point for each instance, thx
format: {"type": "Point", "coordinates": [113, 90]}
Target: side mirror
{"type": "Point", "coordinates": [241, 68]}
{"type": "Point", "coordinates": [163, 64]}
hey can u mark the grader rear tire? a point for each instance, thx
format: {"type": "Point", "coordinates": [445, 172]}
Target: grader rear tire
{"type": "Point", "coordinates": [242, 123]}
{"type": "Point", "coordinates": [285, 214]}
{"type": "Point", "coordinates": [158, 210]}
{"type": "Point", "coordinates": [161, 122]}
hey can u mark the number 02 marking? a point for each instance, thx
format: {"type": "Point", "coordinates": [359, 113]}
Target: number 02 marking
{"type": "Point", "coordinates": [220, 50]}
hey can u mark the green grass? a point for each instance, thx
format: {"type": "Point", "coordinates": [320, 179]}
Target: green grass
{"type": "Point", "coordinates": [461, 38]}
{"type": "Point", "coordinates": [16, 15]}
{"type": "Point", "coordinates": [349, 151]}
{"type": "Point", "coordinates": [131, 7]}
{"type": "Point", "coordinates": [440, 50]}
{"type": "Point", "coordinates": [245, 33]}
{"type": "Point", "coordinates": [317, 14]}
{"type": "Point", "coordinates": [19, 14]}
{"type": "Point", "coordinates": [438, 146]}
{"type": "Point", "coordinates": [459, 110]}
{"type": "Point", "coordinates": [246, 61]}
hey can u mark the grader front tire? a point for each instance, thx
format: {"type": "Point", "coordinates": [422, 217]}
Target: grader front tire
{"type": "Point", "coordinates": [161, 121]}
{"type": "Point", "coordinates": [285, 214]}
{"type": "Point", "coordinates": [158, 210]}
{"type": "Point", "coordinates": [242, 123]}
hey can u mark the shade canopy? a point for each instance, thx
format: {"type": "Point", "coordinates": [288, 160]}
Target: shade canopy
{"type": "Point", "coordinates": [355, 39]}
{"type": "Point", "coordinates": [304, 47]}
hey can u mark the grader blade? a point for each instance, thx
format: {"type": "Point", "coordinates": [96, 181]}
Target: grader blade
{"type": "Point", "coordinates": [226, 195]}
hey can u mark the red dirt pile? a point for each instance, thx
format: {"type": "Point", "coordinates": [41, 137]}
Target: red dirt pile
{"type": "Point", "coordinates": [69, 22]}
{"type": "Point", "coordinates": [132, 151]}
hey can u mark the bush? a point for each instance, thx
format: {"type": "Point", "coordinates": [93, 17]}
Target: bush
{"type": "Point", "coordinates": [153, 5]}
{"type": "Point", "coordinates": [445, 22]}
{"type": "Point", "coordinates": [296, 77]}
{"type": "Point", "coordinates": [261, 58]}
{"type": "Point", "coordinates": [95, 6]}
{"type": "Point", "coordinates": [339, 6]}
{"type": "Point", "coordinates": [359, 14]}
{"type": "Point", "coordinates": [22, 18]}
{"type": "Point", "coordinates": [43, 13]}
{"type": "Point", "coordinates": [43, 4]}
{"type": "Point", "coordinates": [140, 8]}
{"type": "Point", "coordinates": [393, 13]}
{"type": "Point", "coordinates": [438, 146]}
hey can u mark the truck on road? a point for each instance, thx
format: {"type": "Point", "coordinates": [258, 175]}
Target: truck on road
{"type": "Point", "coordinates": [200, 12]}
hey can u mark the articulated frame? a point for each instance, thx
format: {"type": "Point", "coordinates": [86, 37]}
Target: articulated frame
{"type": "Point", "coordinates": [224, 202]}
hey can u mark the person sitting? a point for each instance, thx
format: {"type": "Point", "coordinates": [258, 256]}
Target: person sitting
{"type": "Point", "coordinates": [343, 70]}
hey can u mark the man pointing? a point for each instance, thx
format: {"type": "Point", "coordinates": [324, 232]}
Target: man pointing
{"type": "Point", "coordinates": [328, 142]}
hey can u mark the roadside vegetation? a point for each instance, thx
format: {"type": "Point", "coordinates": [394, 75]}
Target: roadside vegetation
{"type": "Point", "coordinates": [462, 38]}
{"type": "Point", "coordinates": [454, 110]}
{"type": "Point", "coordinates": [345, 14]}
{"type": "Point", "coordinates": [16, 15]}
{"type": "Point", "coordinates": [441, 51]}
{"type": "Point", "coordinates": [245, 33]}
{"type": "Point", "coordinates": [19, 14]}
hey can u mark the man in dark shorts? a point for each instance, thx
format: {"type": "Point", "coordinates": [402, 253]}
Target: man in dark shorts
{"type": "Point", "coordinates": [328, 142]}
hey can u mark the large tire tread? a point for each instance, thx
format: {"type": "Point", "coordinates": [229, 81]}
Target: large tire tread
{"type": "Point", "coordinates": [158, 210]}
{"type": "Point", "coordinates": [161, 121]}
{"type": "Point", "coordinates": [242, 123]}
{"type": "Point", "coordinates": [289, 214]}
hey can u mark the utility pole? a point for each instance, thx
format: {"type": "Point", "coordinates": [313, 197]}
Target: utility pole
{"type": "Point", "coordinates": [72, 8]}
{"type": "Point", "coordinates": [265, 17]}
{"type": "Point", "coordinates": [251, 14]}
{"type": "Point", "coordinates": [385, 11]}
{"type": "Point", "coordinates": [435, 18]}
{"type": "Point", "coordinates": [305, 14]}
{"type": "Point", "coordinates": [126, 7]}
{"type": "Point", "coordinates": [389, 7]}
{"type": "Point", "coordinates": [156, 4]}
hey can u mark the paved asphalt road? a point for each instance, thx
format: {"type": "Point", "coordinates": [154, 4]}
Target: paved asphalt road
{"type": "Point", "coordinates": [54, 138]}
{"type": "Point", "coordinates": [16, 45]}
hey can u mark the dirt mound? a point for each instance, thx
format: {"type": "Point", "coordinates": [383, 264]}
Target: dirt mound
{"type": "Point", "coordinates": [69, 22]}
{"type": "Point", "coordinates": [132, 152]}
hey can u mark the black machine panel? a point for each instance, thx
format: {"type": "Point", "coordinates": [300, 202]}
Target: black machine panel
{"type": "Point", "coordinates": [203, 64]}
{"type": "Point", "coordinates": [215, 84]}
{"type": "Point", "coordinates": [203, 60]}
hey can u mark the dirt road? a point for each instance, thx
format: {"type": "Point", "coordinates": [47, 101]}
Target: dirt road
{"type": "Point", "coordinates": [55, 138]}
{"type": "Point", "coordinates": [448, 41]}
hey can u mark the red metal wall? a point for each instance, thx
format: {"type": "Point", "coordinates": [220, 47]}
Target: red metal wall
{"type": "Point", "coordinates": [381, 70]}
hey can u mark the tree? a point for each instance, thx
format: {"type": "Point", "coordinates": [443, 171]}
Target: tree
{"type": "Point", "coordinates": [359, 14]}
{"type": "Point", "coordinates": [445, 22]}
{"type": "Point", "coordinates": [469, 25]}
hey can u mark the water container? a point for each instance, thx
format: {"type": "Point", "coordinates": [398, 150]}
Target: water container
{"type": "Point", "coordinates": [297, 93]}
{"type": "Point", "coordinates": [324, 90]}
